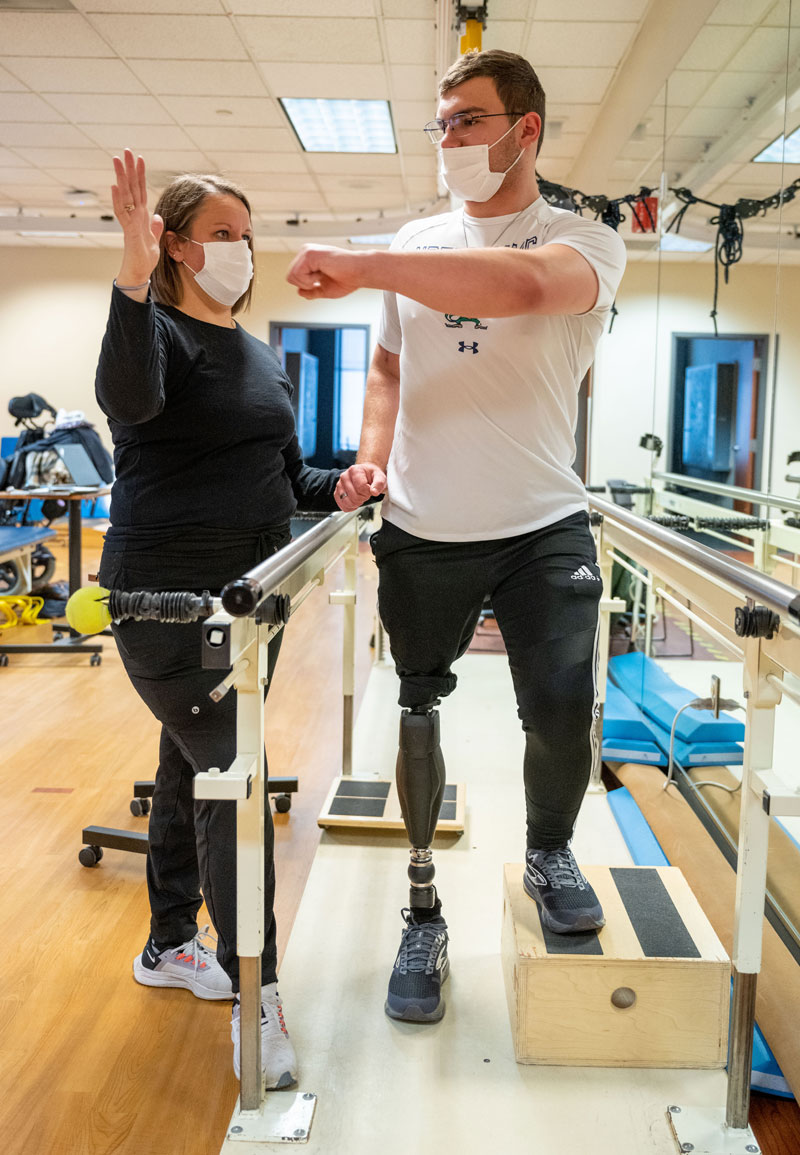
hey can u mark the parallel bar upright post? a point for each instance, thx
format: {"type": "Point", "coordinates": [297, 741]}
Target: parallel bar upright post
{"type": "Point", "coordinates": [349, 652]}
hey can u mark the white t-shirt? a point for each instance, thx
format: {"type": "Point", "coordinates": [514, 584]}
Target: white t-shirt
{"type": "Point", "coordinates": [485, 433]}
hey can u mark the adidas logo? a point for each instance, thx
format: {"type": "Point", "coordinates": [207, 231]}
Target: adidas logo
{"type": "Point", "coordinates": [585, 574]}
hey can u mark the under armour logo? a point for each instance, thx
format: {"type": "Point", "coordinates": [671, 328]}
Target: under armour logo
{"type": "Point", "coordinates": [464, 345]}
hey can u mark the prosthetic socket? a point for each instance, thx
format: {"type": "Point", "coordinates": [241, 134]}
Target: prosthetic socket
{"type": "Point", "coordinates": [420, 788]}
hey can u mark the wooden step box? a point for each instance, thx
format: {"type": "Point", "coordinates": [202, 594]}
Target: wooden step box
{"type": "Point", "coordinates": [651, 989]}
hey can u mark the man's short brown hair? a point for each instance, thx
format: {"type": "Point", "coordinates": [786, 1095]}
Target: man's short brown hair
{"type": "Point", "coordinates": [178, 205]}
{"type": "Point", "coordinates": [517, 84]}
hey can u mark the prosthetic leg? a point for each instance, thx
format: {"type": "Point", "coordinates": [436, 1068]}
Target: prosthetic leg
{"type": "Point", "coordinates": [420, 788]}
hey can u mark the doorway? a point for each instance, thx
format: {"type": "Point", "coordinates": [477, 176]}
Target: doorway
{"type": "Point", "coordinates": [327, 364]}
{"type": "Point", "coordinates": [716, 425]}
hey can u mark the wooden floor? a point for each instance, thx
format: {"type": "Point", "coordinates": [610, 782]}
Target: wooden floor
{"type": "Point", "coordinates": [91, 1063]}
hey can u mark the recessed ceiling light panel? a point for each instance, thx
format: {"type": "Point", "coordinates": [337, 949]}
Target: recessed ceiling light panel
{"type": "Point", "coordinates": [341, 125]}
{"type": "Point", "coordinates": [780, 151]}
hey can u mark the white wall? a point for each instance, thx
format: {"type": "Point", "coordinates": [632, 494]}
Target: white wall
{"type": "Point", "coordinates": [54, 303]}
{"type": "Point", "coordinates": [53, 310]}
{"type": "Point", "coordinates": [633, 368]}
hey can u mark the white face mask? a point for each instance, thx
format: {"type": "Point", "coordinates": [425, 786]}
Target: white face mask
{"type": "Point", "coordinates": [466, 172]}
{"type": "Point", "coordinates": [227, 270]}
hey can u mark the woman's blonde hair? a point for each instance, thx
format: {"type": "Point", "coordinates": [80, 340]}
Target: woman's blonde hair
{"type": "Point", "coordinates": [178, 205]}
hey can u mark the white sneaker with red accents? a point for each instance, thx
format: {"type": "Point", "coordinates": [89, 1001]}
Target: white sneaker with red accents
{"type": "Point", "coordinates": [278, 1060]}
{"type": "Point", "coordinates": [192, 965]}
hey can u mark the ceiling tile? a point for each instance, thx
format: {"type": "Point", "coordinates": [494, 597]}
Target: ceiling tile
{"type": "Point", "coordinates": [49, 34]}
{"type": "Point", "coordinates": [734, 90]}
{"type": "Point", "coordinates": [173, 161]}
{"type": "Point", "coordinates": [43, 136]}
{"type": "Point", "coordinates": [276, 182]}
{"type": "Point", "coordinates": [411, 114]}
{"type": "Point", "coordinates": [255, 161]}
{"type": "Point", "coordinates": [284, 38]}
{"type": "Point", "coordinates": [597, 45]}
{"type": "Point", "coordinates": [263, 140]}
{"type": "Point", "coordinates": [740, 11]}
{"type": "Point", "coordinates": [138, 137]}
{"type": "Point", "coordinates": [415, 82]}
{"type": "Point", "coordinates": [66, 157]}
{"type": "Point", "coordinates": [156, 37]}
{"type": "Point", "coordinates": [421, 165]}
{"type": "Point", "coordinates": [27, 106]}
{"type": "Point", "coordinates": [411, 41]}
{"type": "Point", "coordinates": [571, 117]}
{"type": "Point", "coordinates": [9, 83]}
{"type": "Point", "coordinates": [153, 7]}
{"type": "Point", "coordinates": [300, 8]}
{"type": "Point", "coordinates": [46, 74]}
{"type": "Point", "coordinates": [580, 11]}
{"type": "Point", "coordinates": [713, 47]}
{"type": "Point", "coordinates": [360, 164]}
{"type": "Point", "coordinates": [343, 81]}
{"type": "Point", "coordinates": [507, 35]}
{"type": "Point", "coordinates": [112, 109]}
{"type": "Point", "coordinates": [245, 111]}
{"type": "Point", "coordinates": [575, 85]}
{"type": "Point", "coordinates": [98, 180]}
{"type": "Point", "coordinates": [187, 78]}
{"type": "Point", "coordinates": [285, 201]}
{"type": "Point", "coordinates": [685, 87]}
{"type": "Point", "coordinates": [517, 9]}
{"type": "Point", "coordinates": [415, 143]}
{"type": "Point", "coordinates": [765, 50]}
{"type": "Point", "coordinates": [707, 122]}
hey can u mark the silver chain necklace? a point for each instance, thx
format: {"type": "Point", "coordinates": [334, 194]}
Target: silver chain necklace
{"type": "Point", "coordinates": [502, 232]}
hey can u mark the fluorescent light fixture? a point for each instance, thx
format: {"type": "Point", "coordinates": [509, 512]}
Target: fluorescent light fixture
{"type": "Point", "coordinates": [781, 151]}
{"type": "Point", "coordinates": [373, 239]}
{"type": "Point", "coordinates": [675, 243]}
{"type": "Point", "coordinates": [341, 125]}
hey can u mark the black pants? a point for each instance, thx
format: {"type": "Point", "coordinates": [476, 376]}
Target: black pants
{"type": "Point", "coordinates": [192, 852]}
{"type": "Point", "coordinates": [545, 588]}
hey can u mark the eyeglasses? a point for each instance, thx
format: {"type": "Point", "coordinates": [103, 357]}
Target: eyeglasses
{"type": "Point", "coordinates": [459, 124]}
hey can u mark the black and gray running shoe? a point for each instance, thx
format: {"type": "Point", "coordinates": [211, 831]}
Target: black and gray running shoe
{"type": "Point", "coordinates": [421, 966]}
{"type": "Point", "coordinates": [567, 903]}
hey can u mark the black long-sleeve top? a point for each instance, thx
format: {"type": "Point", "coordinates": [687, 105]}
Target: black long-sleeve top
{"type": "Point", "coordinates": [203, 428]}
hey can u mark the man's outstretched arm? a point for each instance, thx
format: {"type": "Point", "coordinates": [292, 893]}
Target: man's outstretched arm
{"type": "Point", "coordinates": [554, 279]}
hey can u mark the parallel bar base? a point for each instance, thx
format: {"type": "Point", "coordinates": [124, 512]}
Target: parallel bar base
{"type": "Point", "coordinates": [283, 1118]}
{"type": "Point", "coordinates": [703, 1131]}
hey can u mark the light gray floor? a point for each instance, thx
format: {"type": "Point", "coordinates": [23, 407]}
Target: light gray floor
{"type": "Point", "coordinates": [453, 1087]}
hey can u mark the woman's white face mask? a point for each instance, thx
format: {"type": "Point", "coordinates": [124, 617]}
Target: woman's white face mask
{"type": "Point", "coordinates": [465, 170]}
{"type": "Point", "coordinates": [227, 270]}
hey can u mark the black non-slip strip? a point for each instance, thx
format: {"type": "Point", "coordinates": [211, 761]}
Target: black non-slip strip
{"type": "Point", "coordinates": [358, 807]}
{"type": "Point", "coordinates": [360, 789]}
{"type": "Point", "coordinates": [654, 917]}
{"type": "Point", "coordinates": [587, 942]}
{"type": "Point", "coordinates": [450, 793]}
{"type": "Point", "coordinates": [448, 810]}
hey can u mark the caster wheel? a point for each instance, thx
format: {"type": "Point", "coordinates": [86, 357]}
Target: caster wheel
{"type": "Point", "coordinates": [140, 806]}
{"type": "Point", "coordinates": [283, 802]}
{"type": "Point", "coordinates": [95, 660]}
{"type": "Point", "coordinates": [90, 855]}
{"type": "Point", "coordinates": [3, 659]}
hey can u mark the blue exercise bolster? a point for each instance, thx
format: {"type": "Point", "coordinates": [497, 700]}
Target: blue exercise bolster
{"type": "Point", "coordinates": [648, 687]}
{"type": "Point", "coordinates": [628, 736]}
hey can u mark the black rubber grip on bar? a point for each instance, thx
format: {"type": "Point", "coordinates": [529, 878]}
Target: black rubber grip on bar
{"type": "Point", "coordinates": [240, 597]}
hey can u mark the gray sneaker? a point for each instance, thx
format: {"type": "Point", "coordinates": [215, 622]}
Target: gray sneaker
{"type": "Point", "coordinates": [421, 966]}
{"type": "Point", "coordinates": [567, 903]}
{"type": "Point", "coordinates": [278, 1060]}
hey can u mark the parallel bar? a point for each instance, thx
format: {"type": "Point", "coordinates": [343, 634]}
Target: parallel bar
{"type": "Point", "coordinates": [740, 1049]}
{"type": "Point", "coordinates": [766, 590]}
{"type": "Point", "coordinates": [758, 496]}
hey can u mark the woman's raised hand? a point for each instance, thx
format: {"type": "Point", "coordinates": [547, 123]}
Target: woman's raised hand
{"type": "Point", "coordinates": [142, 231]}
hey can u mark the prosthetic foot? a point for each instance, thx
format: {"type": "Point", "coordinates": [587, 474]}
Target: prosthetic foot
{"type": "Point", "coordinates": [421, 965]}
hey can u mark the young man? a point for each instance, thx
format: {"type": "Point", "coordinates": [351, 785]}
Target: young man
{"type": "Point", "coordinates": [491, 318]}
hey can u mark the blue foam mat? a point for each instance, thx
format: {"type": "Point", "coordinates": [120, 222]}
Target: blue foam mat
{"type": "Point", "coordinates": [645, 850]}
{"type": "Point", "coordinates": [655, 693]}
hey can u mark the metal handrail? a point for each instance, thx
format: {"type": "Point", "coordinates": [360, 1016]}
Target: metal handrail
{"type": "Point", "coordinates": [758, 496]}
{"type": "Point", "coordinates": [776, 595]}
{"type": "Point", "coordinates": [242, 596]}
